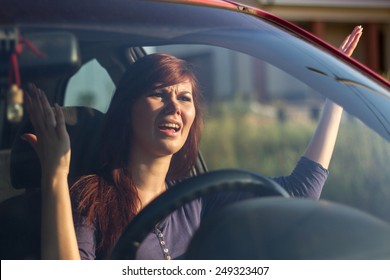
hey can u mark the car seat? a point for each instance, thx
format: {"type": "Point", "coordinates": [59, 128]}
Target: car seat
{"type": "Point", "coordinates": [20, 215]}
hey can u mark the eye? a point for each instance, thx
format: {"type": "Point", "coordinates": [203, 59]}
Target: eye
{"type": "Point", "coordinates": [157, 94]}
{"type": "Point", "coordinates": [186, 97]}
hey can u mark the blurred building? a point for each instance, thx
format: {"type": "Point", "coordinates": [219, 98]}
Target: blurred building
{"type": "Point", "coordinates": [332, 19]}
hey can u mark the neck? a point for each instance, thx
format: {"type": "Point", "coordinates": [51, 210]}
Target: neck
{"type": "Point", "coordinates": [149, 174]}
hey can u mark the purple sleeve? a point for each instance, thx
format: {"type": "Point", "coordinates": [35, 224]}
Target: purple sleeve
{"type": "Point", "coordinates": [86, 240]}
{"type": "Point", "coordinates": [306, 180]}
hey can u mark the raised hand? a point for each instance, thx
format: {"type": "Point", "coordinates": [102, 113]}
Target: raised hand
{"type": "Point", "coordinates": [51, 140]}
{"type": "Point", "coordinates": [52, 144]}
{"type": "Point", "coordinates": [350, 42]}
{"type": "Point", "coordinates": [321, 146]}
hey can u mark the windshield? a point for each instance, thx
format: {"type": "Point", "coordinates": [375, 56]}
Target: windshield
{"type": "Point", "coordinates": [264, 88]}
{"type": "Point", "coordinates": [321, 68]}
{"type": "Point", "coordinates": [263, 100]}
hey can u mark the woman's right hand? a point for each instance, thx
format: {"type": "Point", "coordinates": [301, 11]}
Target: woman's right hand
{"type": "Point", "coordinates": [52, 144]}
{"type": "Point", "coordinates": [51, 140]}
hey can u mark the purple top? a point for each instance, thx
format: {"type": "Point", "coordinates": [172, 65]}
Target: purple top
{"type": "Point", "coordinates": [176, 231]}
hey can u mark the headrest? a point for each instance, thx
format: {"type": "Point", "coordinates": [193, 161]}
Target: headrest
{"type": "Point", "coordinates": [84, 126]}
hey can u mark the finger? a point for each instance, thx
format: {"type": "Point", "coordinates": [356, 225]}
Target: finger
{"type": "Point", "coordinates": [35, 101]}
{"type": "Point", "coordinates": [27, 102]}
{"type": "Point", "coordinates": [61, 128]}
{"type": "Point", "coordinates": [347, 41]}
{"type": "Point", "coordinates": [42, 116]}
{"type": "Point", "coordinates": [35, 108]}
{"type": "Point", "coordinates": [48, 114]}
{"type": "Point", "coordinates": [351, 46]}
{"type": "Point", "coordinates": [344, 43]}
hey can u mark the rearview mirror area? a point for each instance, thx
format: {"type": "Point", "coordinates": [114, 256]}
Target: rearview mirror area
{"type": "Point", "coordinates": [28, 56]}
{"type": "Point", "coordinates": [56, 53]}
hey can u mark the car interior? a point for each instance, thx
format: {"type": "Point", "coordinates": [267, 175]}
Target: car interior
{"type": "Point", "coordinates": [51, 58]}
{"type": "Point", "coordinates": [20, 214]}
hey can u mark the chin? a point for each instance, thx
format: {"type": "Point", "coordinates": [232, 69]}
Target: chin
{"type": "Point", "coordinates": [169, 150]}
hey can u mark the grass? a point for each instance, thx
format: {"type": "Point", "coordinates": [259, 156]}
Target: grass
{"type": "Point", "coordinates": [236, 137]}
{"type": "Point", "coordinates": [360, 170]}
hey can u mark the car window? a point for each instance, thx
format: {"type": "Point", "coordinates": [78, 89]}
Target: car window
{"type": "Point", "coordinates": [91, 86]}
{"type": "Point", "coordinates": [260, 118]}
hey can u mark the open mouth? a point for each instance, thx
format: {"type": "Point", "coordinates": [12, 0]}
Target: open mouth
{"type": "Point", "coordinates": [169, 126]}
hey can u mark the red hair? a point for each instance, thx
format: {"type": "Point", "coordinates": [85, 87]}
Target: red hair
{"type": "Point", "coordinates": [109, 198]}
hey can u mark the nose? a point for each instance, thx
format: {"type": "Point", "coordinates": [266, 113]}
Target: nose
{"type": "Point", "coordinates": [173, 107]}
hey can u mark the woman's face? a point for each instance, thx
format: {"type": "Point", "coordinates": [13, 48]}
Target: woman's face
{"type": "Point", "coordinates": [162, 119]}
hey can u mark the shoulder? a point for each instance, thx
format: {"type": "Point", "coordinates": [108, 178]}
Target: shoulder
{"type": "Point", "coordinates": [88, 181]}
{"type": "Point", "coordinates": [84, 191]}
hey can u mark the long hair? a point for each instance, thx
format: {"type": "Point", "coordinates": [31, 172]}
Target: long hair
{"type": "Point", "coordinates": [109, 199]}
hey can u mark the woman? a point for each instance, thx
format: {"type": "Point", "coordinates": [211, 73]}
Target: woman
{"type": "Point", "coordinates": [151, 135]}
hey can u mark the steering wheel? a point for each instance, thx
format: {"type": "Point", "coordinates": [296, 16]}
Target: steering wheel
{"type": "Point", "coordinates": [186, 191]}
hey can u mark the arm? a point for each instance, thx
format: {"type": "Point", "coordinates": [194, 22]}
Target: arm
{"type": "Point", "coordinates": [52, 144]}
{"type": "Point", "coordinates": [320, 148]}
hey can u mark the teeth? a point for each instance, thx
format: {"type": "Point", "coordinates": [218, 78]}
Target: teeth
{"type": "Point", "coordinates": [171, 125]}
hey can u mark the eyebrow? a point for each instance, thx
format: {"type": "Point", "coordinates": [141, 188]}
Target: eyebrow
{"type": "Point", "coordinates": [185, 92]}
{"type": "Point", "coordinates": [165, 91]}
